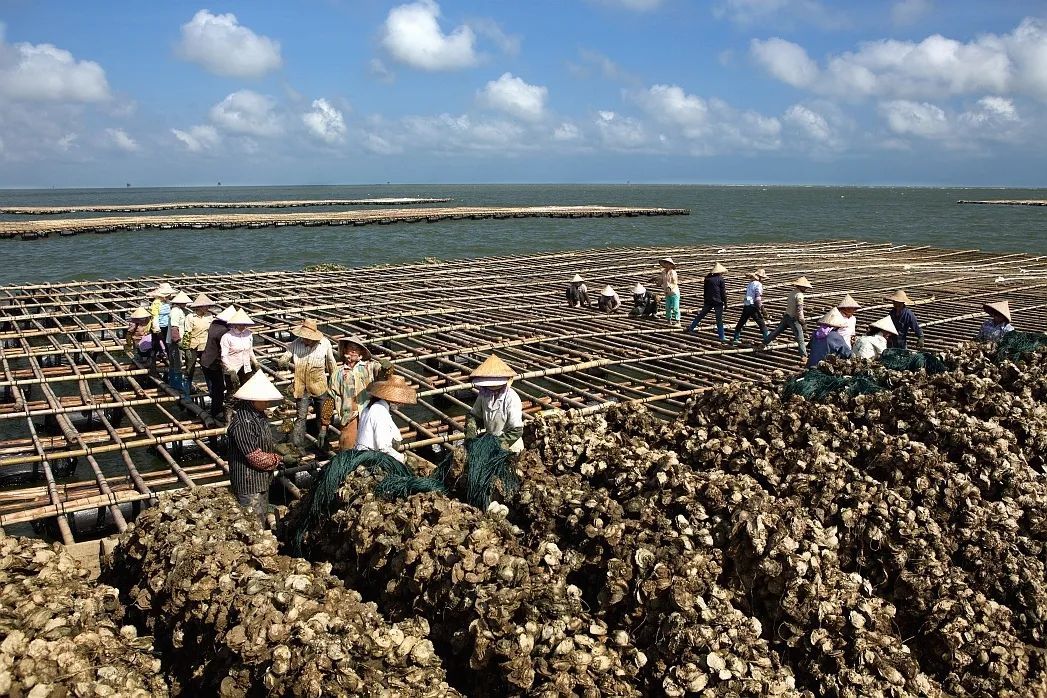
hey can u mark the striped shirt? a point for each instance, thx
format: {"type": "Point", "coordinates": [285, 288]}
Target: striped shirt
{"type": "Point", "coordinates": [250, 433]}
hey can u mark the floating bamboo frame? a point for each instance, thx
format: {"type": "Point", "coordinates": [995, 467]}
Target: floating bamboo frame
{"type": "Point", "coordinates": [181, 205]}
{"type": "Point", "coordinates": [1007, 202]}
{"type": "Point", "coordinates": [33, 229]}
{"type": "Point", "coordinates": [71, 392]}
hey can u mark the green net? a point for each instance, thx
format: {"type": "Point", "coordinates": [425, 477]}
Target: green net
{"type": "Point", "coordinates": [1016, 344]}
{"type": "Point", "coordinates": [488, 464]}
{"type": "Point", "coordinates": [816, 384]}
{"type": "Point", "coordinates": [905, 360]}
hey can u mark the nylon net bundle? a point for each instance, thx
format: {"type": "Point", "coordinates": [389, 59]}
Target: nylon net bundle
{"type": "Point", "coordinates": [905, 360]}
{"type": "Point", "coordinates": [1016, 344]}
{"type": "Point", "coordinates": [816, 384]}
{"type": "Point", "coordinates": [489, 463]}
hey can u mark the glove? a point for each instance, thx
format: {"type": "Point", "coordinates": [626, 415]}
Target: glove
{"type": "Point", "coordinates": [919, 343]}
{"type": "Point", "coordinates": [385, 369]}
{"type": "Point", "coordinates": [291, 458]}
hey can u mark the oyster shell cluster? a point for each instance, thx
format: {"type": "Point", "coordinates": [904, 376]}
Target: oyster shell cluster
{"type": "Point", "coordinates": [235, 618]}
{"type": "Point", "coordinates": [62, 633]}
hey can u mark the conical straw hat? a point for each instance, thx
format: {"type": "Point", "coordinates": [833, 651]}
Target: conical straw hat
{"type": "Point", "coordinates": [258, 387]}
{"type": "Point", "coordinates": [833, 318]}
{"type": "Point", "coordinates": [493, 371]}
{"type": "Point", "coordinates": [639, 289]}
{"type": "Point", "coordinates": [355, 341]}
{"type": "Point", "coordinates": [717, 269]}
{"type": "Point", "coordinates": [577, 279]}
{"type": "Point", "coordinates": [227, 314]}
{"type": "Point", "coordinates": [608, 291]}
{"type": "Point", "coordinates": [241, 318]}
{"type": "Point", "coordinates": [886, 324]}
{"type": "Point", "coordinates": [899, 297]}
{"type": "Point", "coordinates": [848, 302]}
{"type": "Point", "coordinates": [202, 301]}
{"type": "Point", "coordinates": [802, 282]}
{"type": "Point", "coordinates": [140, 314]}
{"type": "Point", "coordinates": [181, 299]}
{"type": "Point", "coordinates": [667, 260]}
{"type": "Point", "coordinates": [396, 389]}
{"type": "Point", "coordinates": [1002, 307]}
{"type": "Point", "coordinates": [758, 274]}
{"type": "Point", "coordinates": [163, 289]}
{"type": "Point", "coordinates": [307, 330]}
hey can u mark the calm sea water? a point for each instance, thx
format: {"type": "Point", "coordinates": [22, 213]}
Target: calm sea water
{"type": "Point", "coordinates": [720, 215]}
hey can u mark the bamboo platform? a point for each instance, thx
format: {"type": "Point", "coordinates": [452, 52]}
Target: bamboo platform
{"type": "Point", "coordinates": [1007, 202]}
{"type": "Point", "coordinates": [71, 397]}
{"type": "Point", "coordinates": [33, 229]}
{"type": "Point", "coordinates": [179, 205]}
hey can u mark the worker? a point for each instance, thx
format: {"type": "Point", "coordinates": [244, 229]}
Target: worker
{"type": "Point", "coordinates": [669, 282]}
{"type": "Point", "coordinates": [160, 310]}
{"type": "Point", "coordinates": [498, 408]}
{"type": "Point", "coordinates": [238, 359]}
{"type": "Point", "coordinates": [794, 317]}
{"type": "Point", "coordinates": [645, 303]}
{"type": "Point", "coordinates": [753, 307]}
{"type": "Point", "coordinates": [173, 340]}
{"type": "Point", "coordinates": [252, 457]}
{"type": "Point", "coordinates": [999, 323]}
{"type": "Point", "coordinates": [714, 298]}
{"type": "Point", "coordinates": [827, 340]}
{"type": "Point", "coordinates": [577, 293]}
{"type": "Point", "coordinates": [139, 335]}
{"type": "Point", "coordinates": [211, 361]}
{"type": "Point", "coordinates": [848, 307]}
{"type": "Point", "coordinates": [195, 339]}
{"type": "Point", "coordinates": [377, 430]}
{"type": "Point", "coordinates": [609, 301]}
{"type": "Point", "coordinates": [312, 359]}
{"type": "Point", "coordinates": [904, 321]}
{"type": "Point", "coordinates": [356, 370]}
{"type": "Point", "coordinates": [874, 343]}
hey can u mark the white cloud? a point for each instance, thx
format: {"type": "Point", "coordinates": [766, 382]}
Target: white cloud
{"type": "Point", "coordinates": [449, 134]}
{"type": "Point", "coordinates": [198, 138]}
{"type": "Point", "coordinates": [806, 124]}
{"type": "Point", "coordinates": [779, 12]}
{"type": "Point", "coordinates": [488, 28]}
{"type": "Point", "coordinates": [566, 132]}
{"type": "Point", "coordinates": [221, 45]}
{"type": "Point", "coordinates": [43, 72]}
{"type": "Point", "coordinates": [620, 132]}
{"type": "Point", "coordinates": [905, 117]}
{"type": "Point", "coordinates": [67, 142]}
{"type": "Point", "coordinates": [990, 119]}
{"type": "Point", "coordinates": [992, 112]}
{"type": "Point", "coordinates": [119, 139]}
{"type": "Point", "coordinates": [325, 122]}
{"type": "Point", "coordinates": [515, 97]}
{"type": "Point", "coordinates": [1014, 63]}
{"type": "Point", "coordinates": [413, 37]}
{"type": "Point", "coordinates": [635, 5]}
{"type": "Point", "coordinates": [906, 12]}
{"type": "Point", "coordinates": [594, 61]}
{"type": "Point", "coordinates": [247, 112]}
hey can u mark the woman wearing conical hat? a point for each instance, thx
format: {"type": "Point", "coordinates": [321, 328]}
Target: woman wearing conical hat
{"type": "Point", "coordinates": [196, 326]}
{"type": "Point", "coordinates": [669, 282]}
{"type": "Point", "coordinates": [355, 372]}
{"type": "Point", "coordinates": [139, 335]}
{"type": "Point", "coordinates": [827, 340]}
{"type": "Point", "coordinates": [714, 297]}
{"type": "Point", "coordinates": [904, 321]}
{"type": "Point", "coordinates": [160, 309]}
{"type": "Point", "coordinates": [577, 293]}
{"type": "Point", "coordinates": [377, 430]}
{"type": "Point", "coordinates": [609, 301]}
{"type": "Point", "coordinates": [753, 307]}
{"type": "Point", "coordinates": [173, 340]}
{"type": "Point", "coordinates": [794, 316]}
{"type": "Point", "coordinates": [312, 359]}
{"type": "Point", "coordinates": [238, 359]}
{"type": "Point", "coordinates": [874, 343]}
{"type": "Point", "coordinates": [211, 361]}
{"type": "Point", "coordinates": [848, 307]}
{"type": "Point", "coordinates": [645, 302]}
{"type": "Point", "coordinates": [252, 453]}
{"type": "Point", "coordinates": [999, 323]}
{"type": "Point", "coordinates": [498, 409]}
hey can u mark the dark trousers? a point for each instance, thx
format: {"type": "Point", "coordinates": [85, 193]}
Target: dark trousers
{"type": "Point", "coordinates": [750, 312]}
{"type": "Point", "coordinates": [718, 309]}
{"type": "Point", "coordinates": [789, 322]}
{"type": "Point", "coordinates": [191, 358]}
{"type": "Point", "coordinates": [215, 378]}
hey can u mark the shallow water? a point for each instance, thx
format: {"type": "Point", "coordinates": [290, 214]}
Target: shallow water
{"type": "Point", "coordinates": [719, 215]}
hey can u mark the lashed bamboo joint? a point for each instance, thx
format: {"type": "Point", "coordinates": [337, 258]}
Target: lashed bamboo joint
{"type": "Point", "coordinates": [181, 205]}
{"type": "Point", "coordinates": [83, 429]}
{"type": "Point", "coordinates": [31, 230]}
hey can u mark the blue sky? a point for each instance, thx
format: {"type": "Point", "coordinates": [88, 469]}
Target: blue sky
{"type": "Point", "coordinates": [362, 91]}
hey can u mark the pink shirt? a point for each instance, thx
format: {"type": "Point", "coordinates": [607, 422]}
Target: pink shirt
{"type": "Point", "coordinates": [237, 350]}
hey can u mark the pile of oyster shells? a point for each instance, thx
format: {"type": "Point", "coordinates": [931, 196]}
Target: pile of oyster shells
{"type": "Point", "coordinates": [232, 617]}
{"type": "Point", "coordinates": [62, 633]}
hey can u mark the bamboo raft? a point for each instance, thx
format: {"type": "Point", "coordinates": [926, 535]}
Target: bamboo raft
{"type": "Point", "coordinates": [33, 229]}
{"type": "Point", "coordinates": [178, 205]}
{"type": "Point", "coordinates": [1007, 202]}
{"type": "Point", "coordinates": [104, 437]}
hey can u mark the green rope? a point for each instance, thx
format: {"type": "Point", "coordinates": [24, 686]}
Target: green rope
{"type": "Point", "coordinates": [816, 385]}
{"type": "Point", "coordinates": [905, 360]}
{"type": "Point", "coordinates": [1016, 344]}
{"type": "Point", "coordinates": [488, 462]}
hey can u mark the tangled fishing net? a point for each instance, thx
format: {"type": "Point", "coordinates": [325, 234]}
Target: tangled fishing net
{"type": "Point", "coordinates": [488, 465]}
{"type": "Point", "coordinates": [816, 384]}
{"type": "Point", "coordinates": [1016, 345]}
{"type": "Point", "coordinates": [905, 360]}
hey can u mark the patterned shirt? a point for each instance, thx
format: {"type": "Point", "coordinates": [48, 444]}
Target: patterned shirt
{"type": "Point", "coordinates": [251, 457]}
{"type": "Point", "coordinates": [669, 282]}
{"type": "Point", "coordinates": [992, 332]}
{"type": "Point", "coordinates": [349, 388]}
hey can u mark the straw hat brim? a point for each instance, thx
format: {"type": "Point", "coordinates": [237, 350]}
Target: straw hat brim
{"type": "Point", "coordinates": [227, 314]}
{"type": "Point", "coordinates": [356, 342]}
{"type": "Point", "coordinates": [394, 390]}
{"type": "Point", "coordinates": [899, 297]}
{"type": "Point", "coordinates": [489, 382]}
{"type": "Point", "coordinates": [886, 324]}
{"type": "Point", "coordinates": [669, 261]}
{"type": "Point", "coordinates": [803, 283]}
{"type": "Point", "coordinates": [1002, 308]}
{"type": "Point", "coordinates": [140, 314]}
{"type": "Point", "coordinates": [308, 333]}
{"type": "Point", "coordinates": [202, 301]}
{"type": "Point", "coordinates": [241, 318]}
{"type": "Point", "coordinates": [833, 318]}
{"type": "Point", "coordinates": [493, 367]}
{"type": "Point", "coordinates": [639, 289]}
{"type": "Point", "coordinates": [849, 302]}
{"type": "Point", "coordinates": [718, 269]}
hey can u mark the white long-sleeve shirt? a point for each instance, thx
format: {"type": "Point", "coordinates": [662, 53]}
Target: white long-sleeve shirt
{"type": "Point", "coordinates": [377, 431]}
{"type": "Point", "coordinates": [848, 332]}
{"type": "Point", "coordinates": [237, 350]}
{"type": "Point", "coordinates": [498, 412]}
{"type": "Point", "coordinates": [870, 346]}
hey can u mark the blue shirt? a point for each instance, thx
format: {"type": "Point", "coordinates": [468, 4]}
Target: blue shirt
{"type": "Point", "coordinates": [905, 322]}
{"type": "Point", "coordinates": [821, 347]}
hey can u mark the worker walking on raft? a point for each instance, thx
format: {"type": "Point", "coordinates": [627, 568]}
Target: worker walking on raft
{"type": "Point", "coordinates": [312, 359]}
{"type": "Point", "coordinates": [753, 307]}
{"type": "Point", "coordinates": [794, 318]}
{"type": "Point", "coordinates": [211, 361]}
{"type": "Point", "coordinates": [356, 370]}
{"type": "Point", "coordinates": [714, 298]}
{"type": "Point", "coordinates": [498, 409]}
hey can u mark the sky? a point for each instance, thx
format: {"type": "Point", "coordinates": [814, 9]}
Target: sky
{"type": "Point", "coordinates": [905, 92]}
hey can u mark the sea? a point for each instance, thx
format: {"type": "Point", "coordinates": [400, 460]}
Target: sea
{"type": "Point", "coordinates": [720, 215]}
